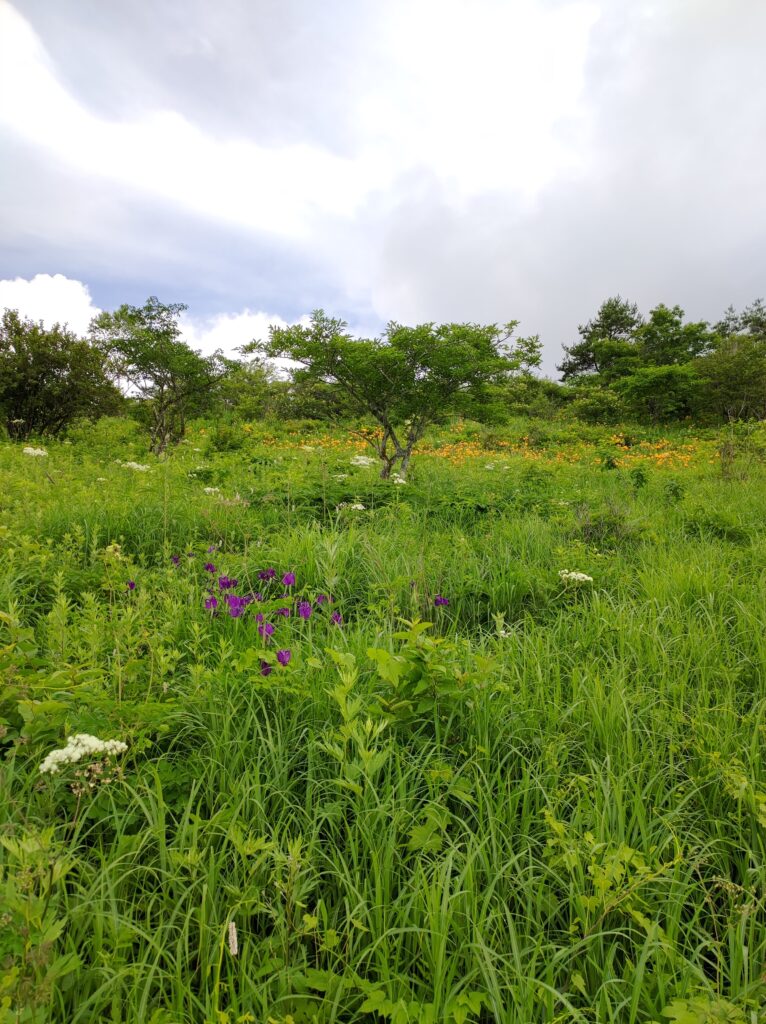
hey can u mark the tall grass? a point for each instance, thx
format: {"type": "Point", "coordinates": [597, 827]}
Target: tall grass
{"type": "Point", "coordinates": [548, 806]}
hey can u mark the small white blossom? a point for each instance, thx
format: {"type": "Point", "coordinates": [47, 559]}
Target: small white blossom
{"type": "Point", "coordinates": [211, 490]}
{"type": "Point", "coordinates": [355, 506]}
{"type": "Point", "coordinates": [574, 577]}
{"type": "Point", "coordinates": [36, 452]}
{"type": "Point", "coordinates": [397, 478]}
{"type": "Point", "coordinates": [341, 476]}
{"type": "Point", "coordinates": [77, 747]}
{"type": "Point", "coordinates": [363, 460]}
{"type": "Point", "coordinates": [137, 467]}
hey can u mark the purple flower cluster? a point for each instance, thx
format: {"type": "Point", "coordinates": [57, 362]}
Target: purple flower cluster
{"type": "Point", "coordinates": [441, 602]}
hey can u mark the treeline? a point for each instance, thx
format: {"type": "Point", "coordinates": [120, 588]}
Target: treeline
{"type": "Point", "coordinates": [657, 367]}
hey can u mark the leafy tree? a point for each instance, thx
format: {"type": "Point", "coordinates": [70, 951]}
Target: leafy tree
{"type": "Point", "coordinates": [407, 379]}
{"type": "Point", "coordinates": [664, 339]}
{"type": "Point", "coordinates": [606, 339]}
{"type": "Point", "coordinates": [49, 377]}
{"type": "Point", "coordinates": [734, 377]}
{"type": "Point", "coordinates": [661, 393]}
{"type": "Point", "coordinates": [145, 351]}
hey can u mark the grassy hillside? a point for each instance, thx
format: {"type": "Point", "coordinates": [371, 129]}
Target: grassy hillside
{"type": "Point", "coordinates": [450, 784]}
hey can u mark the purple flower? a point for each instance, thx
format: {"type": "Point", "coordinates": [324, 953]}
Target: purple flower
{"type": "Point", "coordinates": [175, 559]}
{"type": "Point", "coordinates": [441, 602]}
{"type": "Point", "coordinates": [304, 610]}
{"type": "Point", "coordinates": [236, 605]}
{"type": "Point", "coordinates": [190, 554]}
{"type": "Point", "coordinates": [289, 579]}
{"type": "Point", "coordinates": [283, 657]}
{"type": "Point", "coordinates": [259, 617]}
{"type": "Point", "coordinates": [337, 618]}
{"type": "Point", "coordinates": [265, 629]}
{"type": "Point", "coordinates": [258, 596]}
{"type": "Point", "coordinates": [209, 567]}
{"type": "Point", "coordinates": [212, 548]}
{"type": "Point", "coordinates": [266, 669]}
{"type": "Point", "coordinates": [321, 598]}
{"type": "Point", "coordinates": [226, 583]}
{"type": "Point", "coordinates": [267, 574]}
{"type": "Point", "coordinates": [131, 584]}
{"type": "Point", "coordinates": [283, 611]}
{"type": "Point", "coordinates": [211, 602]}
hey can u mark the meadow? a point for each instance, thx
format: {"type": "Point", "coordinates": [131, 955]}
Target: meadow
{"type": "Point", "coordinates": [487, 745]}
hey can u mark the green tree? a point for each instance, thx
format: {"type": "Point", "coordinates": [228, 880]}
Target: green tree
{"type": "Point", "coordinates": [664, 339]}
{"type": "Point", "coordinates": [49, 377]}
{"type": "Point", "coordinates": [607, 344]}
{"type": "Point", "coordinates": [661, 393]}
{"type": "Point", "coordinates": [407, 379]}
{"type": "Point", "coordinates": [734, 377]}
{"type": "Point", "coordinates": [146, 354]}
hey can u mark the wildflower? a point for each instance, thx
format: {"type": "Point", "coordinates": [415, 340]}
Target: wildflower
{"type": "Point", "coordinates": [337, 618]}
{"type": "Point", "coordinates": [259, 617]}
{"type": "Point", "coordinates": [212, 548]}
{"type": "Point", "coordinates": [209, 567]}
{"type": "Point", "coordinates": [233, 946]}
{"type": "Point", "coordinates": [190, 554]}
{"type": "Point", "coordinates": [304, 610]}
{"type": "Point", "coordinates": [77, 747]}
{"type": "Point", "coordinates": [362, 460]}
{"type": "Point", "coordinates": [289, 579]}
{"type": "Point", "coordinates": [137, 467]}
{"type": "Point", "coordinates": [236, 605]}
{"type": "Point", "coordinates": [265, 630]}
{"type": "Point", "coordinates": [355, 506]}
{"type": "Point", "coordinates": [267, 574]}
{"type": "Point", "coordinates": [397, 478]}
{"type": "Point", "coordinates": [283, 657]}
{"type": "Point", "coordinates": [227, 583]}
{"type": "Point", "coordinates": [283, 611]}
{"type": "Point", "coordinates": [211, 490]}
{"type": "Point", "coordinates": [175, 559]}
{"type": "Point", "coordinates": [211, 603]}
{"type": "Point", "coordinates": [35, 452]}
{"type": "Point", "coordinates": [257, 596]}
{"type": "Point", "coordinates": [266, 669]}
{"type": "Point", "coordinates": [131, 584]}
{"type": "Point", "coordinates": [441, 602]}
{"type": "Point", "coordinates": [574, 577]}
{"type": "Point", "coordinates": [322, 598]}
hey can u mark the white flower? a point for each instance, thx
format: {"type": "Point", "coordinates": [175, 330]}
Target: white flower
{"type": "Point", "coordinates": [138, 467]}
{"type": "Point", "coordinates": [36, 452]}
{"type": "Point", "coordinates": [341, 476]}
{"type": "Point", "coordinates": [211, 490]}
{"type": "Point", "coordinates": [101, 480]}
{"type": "Point", "coordinates": [356, 506]}
{"type": "Point", "coordinates": [574, 577]}
{"type": "Point", "coordinates": [307, 447]}
{"type": "Point", "coordinates": [362, 460]}
{"type": "Point", "coordinates": [77, 747]}
{"type": "Point", "coordinates": [397, 478]}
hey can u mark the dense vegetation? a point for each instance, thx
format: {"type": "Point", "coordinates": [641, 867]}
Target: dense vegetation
{"type": "Point", "coordinates": [486, 745]}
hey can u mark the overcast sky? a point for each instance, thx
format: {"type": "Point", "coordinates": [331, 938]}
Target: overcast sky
{"type": "Point", "coordinates": [412, 160]}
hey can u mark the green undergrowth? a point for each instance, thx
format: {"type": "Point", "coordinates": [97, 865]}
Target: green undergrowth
{"type": "Point", "coordinates": [531, 800]}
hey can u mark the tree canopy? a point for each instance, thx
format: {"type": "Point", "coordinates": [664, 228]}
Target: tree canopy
{"type": "Point", "coordinates": [49, 377]}
{"type": "Point", "coordinates": [406, 379]}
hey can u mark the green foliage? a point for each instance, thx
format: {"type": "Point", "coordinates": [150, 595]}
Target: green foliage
{"type": "Point", "coordinates": [49, 378]}
{"type": "Point", "coordinates": [406, 380]}
{"type": "Point", "coordinates": [144, 348]}
{"type": "Point", "coordinates": [540, 802]}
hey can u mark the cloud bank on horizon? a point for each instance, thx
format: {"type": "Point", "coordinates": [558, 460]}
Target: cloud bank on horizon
{"type": "Point", "coordinates": [415, 160]}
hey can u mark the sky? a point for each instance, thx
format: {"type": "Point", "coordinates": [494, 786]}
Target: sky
{"type": "Point", "coordinates": [407, 160]}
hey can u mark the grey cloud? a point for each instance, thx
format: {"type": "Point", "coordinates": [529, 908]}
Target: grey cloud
{"type": "Point", "coordinates": [277, 71]}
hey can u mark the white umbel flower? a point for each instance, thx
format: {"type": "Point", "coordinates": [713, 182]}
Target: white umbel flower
{"type": "Point", "coordinates": [574, 577]}
{"type": "Point", "coordinates": [363, 460]}
{"type": "Point", "coordinates": [137, 467]}
{"type": "Point", "coordinates": [35, 452]}
{"type": "Point", "coordinates": [77, 747]}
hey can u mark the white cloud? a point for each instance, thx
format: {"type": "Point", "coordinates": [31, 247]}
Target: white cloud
{"type": "Point", "coordinates": [228, 331]}
{"type": "Point", "coordinates": [51, 298]}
